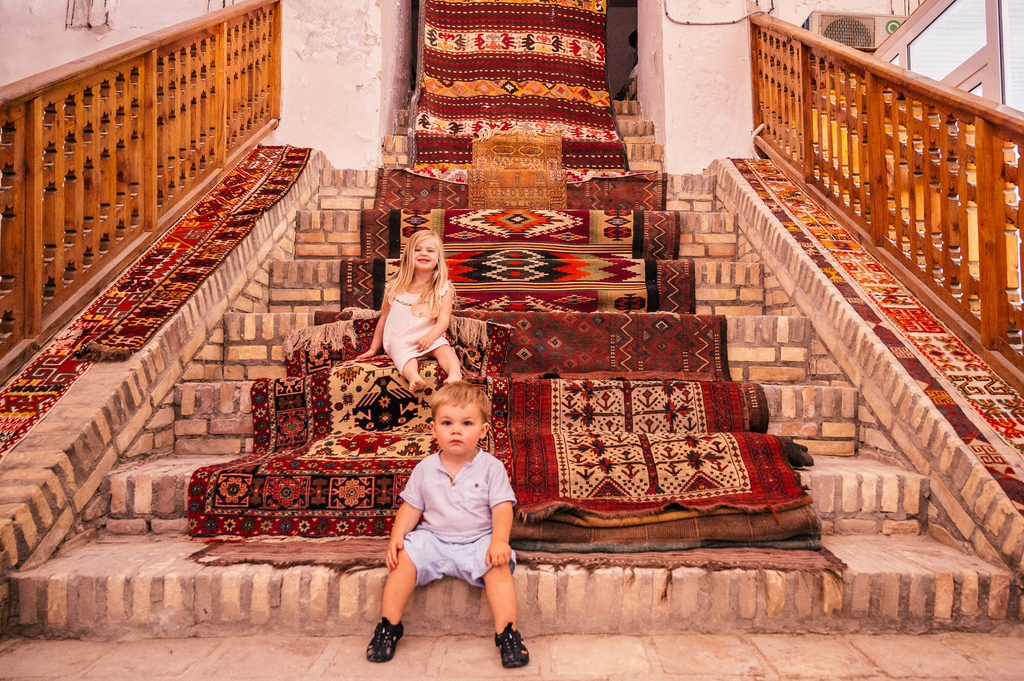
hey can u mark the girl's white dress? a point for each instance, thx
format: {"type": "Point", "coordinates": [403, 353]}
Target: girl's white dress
{"type": "Point", "coordinates": [402, 330]}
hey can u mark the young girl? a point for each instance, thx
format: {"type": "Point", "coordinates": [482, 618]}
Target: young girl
{"type": "Point", "coordinates": [416, 310]}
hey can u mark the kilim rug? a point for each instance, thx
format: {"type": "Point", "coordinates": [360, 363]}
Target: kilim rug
{"type": "Point", "coordinates": [364, 553]}
{"type": "Point", "coordinates": [651, 406]}
{"type": "Point", "coordinates": [529, 280]}
{"type": "Point", "coordinates": [631, 234]}
{"type": "Point", "coordinates": [618, 473]}
{"type": "Point", "coordinates": [956, 380]}
{"type": "Point", "coordinates": [526, 65]}
{"type": "Point", "coordinates": [684, 346]}
{"type": "Point", "coordinates": [130, 311]}
{"type": "Point", "coordinates": [400, 189]}
{"type": "Point", "coordinates": [786, 528]}
{"type": "Point", "coordinates": [517, 170]}
{"type": "Point", "coordinates": [332, 452]}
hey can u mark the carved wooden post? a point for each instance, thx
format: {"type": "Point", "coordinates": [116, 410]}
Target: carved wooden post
{"type": "Point", "coordinates": [275, 63]}
{"type": "Point", "coordinates": [991, 241]}
{"type": "Point", "coordinates": [223, 102]}
{"type": "Point", "coordinates": [806, 114]}
{"type": "Point", "coordinates": [879, 187]}
{"type": "Point", "coordinates": [149, 142]}
{"type": "Point", "coordinates": [32, 271]}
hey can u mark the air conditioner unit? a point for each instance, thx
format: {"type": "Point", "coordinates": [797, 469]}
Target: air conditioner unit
{"type": "Point", "coordinates": [863, 31]}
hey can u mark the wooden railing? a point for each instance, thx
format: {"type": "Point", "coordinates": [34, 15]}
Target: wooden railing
{"type": "Point", "coordinates": [929, 175]}
{"type": "Point", "coordinates": [98, 156]}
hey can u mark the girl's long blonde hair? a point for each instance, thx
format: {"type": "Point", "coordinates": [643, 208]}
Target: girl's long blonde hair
{"type": "Point", "coordinates": [429, 303]}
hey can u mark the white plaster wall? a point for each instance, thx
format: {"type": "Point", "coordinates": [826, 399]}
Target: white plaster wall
{"type": "Point", "coordinates": [397, 59]}
{"type": "Point", "coordinates": [333, 99]}
{"type": "Point", "coordinates": [797, 11]}
{"type": "Point", "coordinates": [33, 38]}
{"type": "Point", "coordinates": [333, 69]}
{"type": "Point", "coordinates": [701, 103]}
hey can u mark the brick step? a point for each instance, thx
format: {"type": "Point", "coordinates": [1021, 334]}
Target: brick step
{"type": "Point", "coordinates": [396, 151]}
{"type": "Point", "coordinates": [321, 234]}
{"type": "Point", "coordinates": [150, 587]}
{"type": "Point", "coordinates": [355, 189]}
{"type": "Point", "coordinates": [629, 126]}
{"type": "Point", "coordinates": [639, 139]}
{"type": "Point", "coordinates": [861, 496]}
{"type": "Point", "coordinates": [625, 107]}
{"type": "Point", "coordinates": [643, 152]}
{"type": "Point", "coordinates": [733, 288]}
{"type": "Point", "coordinates": [851, 496]}
{"type": "Point", "coordinates": [764, 349]}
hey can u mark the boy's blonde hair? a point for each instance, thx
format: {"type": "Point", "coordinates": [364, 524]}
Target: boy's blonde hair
{"type": "Point", "coordinates": [462, 394]}
{"type": "Point", "coordinates": [429, 303]}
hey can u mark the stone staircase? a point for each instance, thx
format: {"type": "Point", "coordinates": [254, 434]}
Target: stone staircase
{"type": "Point", "coordinates": [129, 571]}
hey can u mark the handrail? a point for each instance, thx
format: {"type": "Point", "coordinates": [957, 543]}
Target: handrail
{"type": "Point", "coordinates": [99, 155]}
{"type": "Point", "coordinates": [928, 174]}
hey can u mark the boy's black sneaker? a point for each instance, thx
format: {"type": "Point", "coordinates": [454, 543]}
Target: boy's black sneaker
{"type": "Point", "coordinates": [513, 652]}
{"type": "Point", "coordinates": [385, 636]}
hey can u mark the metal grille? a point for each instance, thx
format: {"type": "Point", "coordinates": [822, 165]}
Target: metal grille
{"type": "Point", "coordinates": [853, 31]}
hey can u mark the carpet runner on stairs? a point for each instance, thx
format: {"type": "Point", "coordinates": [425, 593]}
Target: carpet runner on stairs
{"type": "Point", "coordinates": [399, 189]}
{"type": "Point", "coordinates": [541, 281]}
{"type": "Point", "coordinates": [630, 234]}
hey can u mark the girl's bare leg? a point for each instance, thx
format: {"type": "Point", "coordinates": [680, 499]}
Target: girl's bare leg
{"type": "Point", "coordinates": [411, 373]}
{"type": "Point", "coordinates": [449, 361]}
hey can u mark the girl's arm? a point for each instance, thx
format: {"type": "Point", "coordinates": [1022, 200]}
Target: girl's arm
{"type": "Point", "coordinates": [378, 333]}
{"type": "Point", "coordinates": [405, 522]}
{"type": "Point", "coordinates": [443, 317]}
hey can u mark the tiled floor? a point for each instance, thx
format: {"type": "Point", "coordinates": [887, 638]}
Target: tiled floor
{"type": "Point", "coordinates": [977, 657]}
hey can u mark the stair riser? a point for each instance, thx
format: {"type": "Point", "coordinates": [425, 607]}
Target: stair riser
{"type": "Point", "coordinates": [851, 503]}
{"type": "Point", "coordinates": [188, 600]}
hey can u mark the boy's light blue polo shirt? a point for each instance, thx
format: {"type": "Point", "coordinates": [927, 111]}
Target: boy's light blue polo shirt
{"type": "Point", "coordinates": [458, 511]}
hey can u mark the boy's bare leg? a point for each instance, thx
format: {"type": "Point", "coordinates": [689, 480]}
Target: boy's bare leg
{"type": "Point", "coordinates": [398, 588]}
{"type": "Point", "coordinates": [449, 361]}
{"type": "Point", "coordinates": [501, 594]}
{"type": "Point", "coordinates": [411, 373]}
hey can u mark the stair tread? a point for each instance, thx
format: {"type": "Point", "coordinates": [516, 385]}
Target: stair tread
{"type": "Point", "coordinates": [157, 555]}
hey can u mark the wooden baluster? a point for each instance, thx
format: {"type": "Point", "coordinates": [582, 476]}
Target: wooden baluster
{"type": "Point", "coordinates": [148, 84]}
{"type": "Point", "coordinates": [807, 122]}
{"type": "Point", "coordinates": [276, 36]}
{"type": "Point", "coordinates": [992, 243]}
{"type": "Point", "coordinates": [222, 103]}
{"type": "Point", "coordinates": [31, 246]}
{"type": "Point", "coordinates": [879, 178]}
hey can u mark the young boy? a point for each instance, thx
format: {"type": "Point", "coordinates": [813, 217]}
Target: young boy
{"type": "Point", "coordinates": [462, 500]}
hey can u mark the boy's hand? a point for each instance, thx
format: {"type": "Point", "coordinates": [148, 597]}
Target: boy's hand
{"type": "Point", "coordinates": [498, 553]}
{"type": "Point", "coordinates": [394, 546]}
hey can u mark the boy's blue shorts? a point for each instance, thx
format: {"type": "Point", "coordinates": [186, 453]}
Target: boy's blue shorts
{"type": "Point", "coordinates": [435, 558]}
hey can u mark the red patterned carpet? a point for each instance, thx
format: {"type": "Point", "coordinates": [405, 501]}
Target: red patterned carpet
{"type": "Point", "coordinates": [630, 234]}
{"type": "Point", "coordinates": [977, 403]}
{"type": "Point", "coordinates": [528, 280]}
{"type": "Point", "coordinates": [503, 65]}
{"type": "Point", "coordinates": [122, 319]}
{"type": "Point", "coordinates": [399, 189]}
